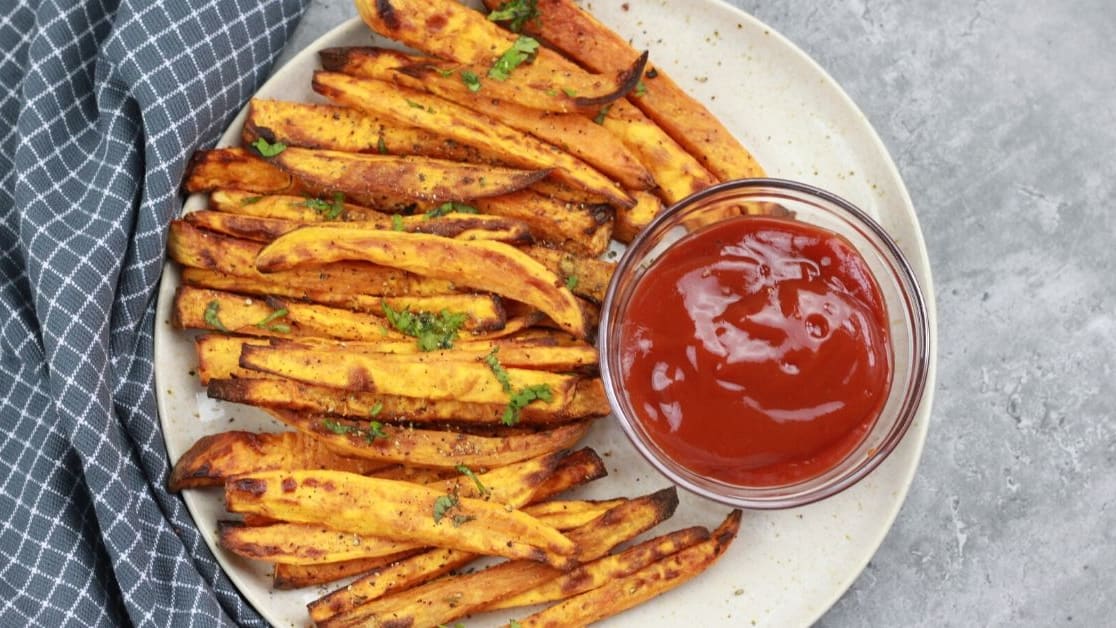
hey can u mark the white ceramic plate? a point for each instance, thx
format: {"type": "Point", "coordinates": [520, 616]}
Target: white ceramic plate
{"type": "Point", "coordinates": [786, 568]}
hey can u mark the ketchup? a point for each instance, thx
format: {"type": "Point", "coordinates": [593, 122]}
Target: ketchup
{"type": "Point", "coordinates": [756, 351]}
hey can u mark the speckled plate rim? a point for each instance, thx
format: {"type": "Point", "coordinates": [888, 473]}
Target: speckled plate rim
{"type": "Point", "coordinates": [186, 414]}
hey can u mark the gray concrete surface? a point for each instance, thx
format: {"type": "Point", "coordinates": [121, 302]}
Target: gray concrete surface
{"type": "Point", "coordinates": [1001, 115]}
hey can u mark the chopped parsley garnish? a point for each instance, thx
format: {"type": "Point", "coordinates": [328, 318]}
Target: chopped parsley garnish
{"type": "Point", "coordinates": [514, 624]}
{"type": "Point", "coordinates": [376, 408]}
{"type": "Point", "coordinates": [523, 49]}
{"type": "Point", "coordinates": [450, 207]}
{"type": "Point", "coordinates": [433, 331]}
{"type": "Point", "coordinates": [640, 89]}
{"type": "Point", "coordinates": [381, 146]}
{"type": "Point", "coordinates": [267, 322]}
{"type": "Point", "coordinates": [266, 148]}
{"type": "Point", "coordinates": [471, 80]}
{"type": "Point", "coordinates": [522, 397]}
{"type": "Point", "coordinates": [516, 13]}
{"type": "Point", "coordinates": [600, 117]}
{"type": "Point", "coordinates": [330, 210]}
{"type": "Point", "coordinates": [251, 200]}
{"type": "Point", "coordinates": [413, 104]}
{"type": "Point", "coordinates": [569, 92]}
{"type": "Point", "coordinates": [498, 370]}
{"type": "Point", "coordinates": [459, 520]}
{"type": "Point", "coordinates": [444, 73]}
{"type": "Point", "coordinates": [211, 318]}
{"type": "Point", "coordinates": [467, 472]}
{"type": "Point", "coordinates": [375, 430]}
{"type": "Point", "coordinates": [571, 282]}
{"type": "Point", "coordinates": [517, 399]}
{"type": "Point", "coordinates": [443, 504]}
{"type": "Point", "coordinates": [396, 222]}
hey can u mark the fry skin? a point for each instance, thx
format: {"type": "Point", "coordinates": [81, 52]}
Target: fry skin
{"type": "Point", "coordinates": [490, 266]}
{"type": "Point", "coordinates": [406, 512]}
{"type": "Point", "coordinates": [238, 169]}
{"type": "Point", "coordinates": [574, 133]}
{"type": "Point", "coordinates": [430, 448]}
{"type": "Point", "coordinates": [214, 458]}
{"type": "Point", "coordinates": [423, 110]}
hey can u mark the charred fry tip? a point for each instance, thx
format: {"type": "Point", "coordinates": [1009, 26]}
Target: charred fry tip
{"type": "Point", "coordinates": [334, 59]}
{"type": "Point", "coordinates": [628, 80]}
{"type": "Point", "coordinates": [386, 11]}
{"type": "Point", "coordinates": [666, 500]}
{"type": "Point", "coordinates": [726, 532]}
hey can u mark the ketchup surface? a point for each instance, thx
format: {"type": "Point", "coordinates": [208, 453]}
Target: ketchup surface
{"type": "Point", "coordinates": [756, 351]}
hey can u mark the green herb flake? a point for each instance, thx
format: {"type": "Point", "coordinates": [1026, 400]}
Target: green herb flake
{"type": "Point", "coordinates": [338, 428]}
{"type": "Point", "coordinates": [498, 370]}
{"type": "Point", "coordinates": [522, 398]}
{"type": "Point", "coordinates": [266, 148]}
{"type": "Point", "coordinates": [251, 200]}
{"type": "Point", "coordinates": [600, 117]}
{"type": "Point", "coordinates": [569, 92]}
{"type": "Point", "coordinates": [514, 624]}
{"type": "Point", "coordinates": [459, 520]}
{"type": "Point", "coordinates": [551, 92]}
{"type": "Point", "coordinates": [467, 472]}
{"type": "Point", "coordinates": [444, 73]}
{"type": "Point", "coordinates": [315, 204]}
{"type": "Point", "coordinates": [413, 104]}
{"type": "Point", "coordinates": [433, 331]}
{"type": "Point", "coordinates": [381, 146]}
{"type": "Point", "coordinates": [471, 80]}
{"type": "Point", "coordinates": [396, 222]}
{"type": "Point", "coordinates": [516, 13]}
{"type": "Point", "coordinates": [443, 504]}
{"type": "Point", "coordinates": [571, 282]}
{"type": "Point", "coordinates": [450, 207]}
{"type": "Point", "coordinates": [375, 430]}
{"type": "Point", "coordinates": [640, 89]}
{"type": "Point", "coordinates": [268, 322]}
{"type": "Point", "coordinates": [211, 310]}
{"type": "Point", "coordinates": [523, 49]}
{"type": "Point", "coordinates": [337, 207]}
{"type": "Point", "coordinates": [376, 409]}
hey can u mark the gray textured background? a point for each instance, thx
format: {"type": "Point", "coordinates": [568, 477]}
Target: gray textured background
{"type": "Point", "coordinates": [1001, 116]}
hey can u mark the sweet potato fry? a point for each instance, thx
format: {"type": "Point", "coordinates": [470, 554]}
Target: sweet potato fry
{"type": "Point", "coordinates": [300, 209]}
{"type": "Point", "coordinates": [582, 228]}
{"type": "Point", "coordinates": [219, 357]}
{"type": "Point", "coordinates": [597, 573]}
{"type": "Point", "coordinates": [575, 133]}
{"type": "Point", "coordinates": [197, 308]}
{"type": "Point", "coordinates": [369, 176]}
{"type": "Point", "coordinates": [485, 311]}
{"type": "Point", "coordinates": [217, 457]}
{"type": "Point", "coordinates": [545, 89]}
{"type": "Point", "coordinates": [340, 128]}
{"type": "Point", "coordinates": [621, 594]}
{"type": "Point", "coordinates": [404, 511]}
{"type": "Point", "coordinates": [587, 276]}
{"type": "Point", "coordinates": [491, 266]}
{"type": "Point", "coordinates": [447, 599]}
{"type": "Point", "coordinates": [631, 221]}
{"type": "Point", "coordinates": [197, 248]}
{"type": "Point", "coordinates": [580, 36]}
{"type": "Point", "coordinates": [430, 448]}
{"type": "Point", "coordinates": [426, 111]}
{"type": "Point", "coordinates": [466, 36]}
{"type": "Point", "coordinates": [567, 515]}
{"type": "Point", "coordinates": [270, 392]}
{"type": "Point", "coordinates": [402, 575]}
{"type": "Point", "coordinates": [237, 169]}
{"type": "Point", "coordinates": [464, 226]}
{"type": "Point", "coordinates": [577, 468]}
{"type": "Point", "coordinates": [470, 381]}
{"type": "Point", "coordinates": [287, 577]}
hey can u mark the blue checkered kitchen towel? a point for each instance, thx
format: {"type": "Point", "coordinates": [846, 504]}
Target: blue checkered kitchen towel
{"type": "Point", "coordinates": [101, 104]}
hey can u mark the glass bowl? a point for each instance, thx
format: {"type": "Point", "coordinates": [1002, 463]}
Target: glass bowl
{"type": "Point", "coordinates": [906, 311]}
